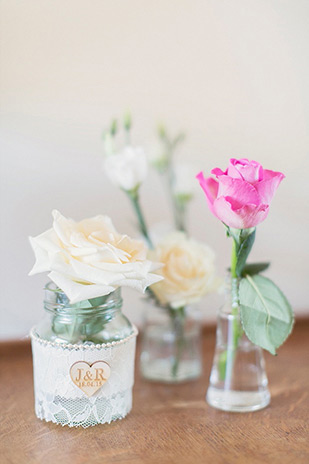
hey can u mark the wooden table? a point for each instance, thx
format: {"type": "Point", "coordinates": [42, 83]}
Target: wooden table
{"type": "Point", "coordinates": [168, 424]}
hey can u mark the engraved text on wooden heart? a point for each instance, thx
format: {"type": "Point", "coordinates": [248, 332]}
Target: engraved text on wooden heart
{"type": "Point", "coordinates": [90, 377]}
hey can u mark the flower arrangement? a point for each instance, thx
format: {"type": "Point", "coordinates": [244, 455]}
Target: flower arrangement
{"type": "Point", "coordinates": [258, 314]}
{"type": "Point", "coordinates": [240, 197]}
{"type": "Point", "coordinates": [188, 266]}
{"type": "Point", "coordinates": [127, 169]}
{"type": "Point", "coordinates": [85, 346]}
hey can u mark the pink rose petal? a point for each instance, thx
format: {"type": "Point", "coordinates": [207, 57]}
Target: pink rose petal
{"type": "Point", "coordinates": [243, 218]}
{"type": "Point", "coordinates": [238, 189]}
{"type": "Point", "coordinates": [218, 172]}
{"type": "Point", "coordinates": [268, 186]}
{"type": "Point", "coordinates": [250, 171]}
{"type": "Point", "coordinates": [210, 187]}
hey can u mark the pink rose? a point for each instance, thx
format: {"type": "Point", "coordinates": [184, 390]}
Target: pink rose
{"type": "Point", "coordinates": [241, 195]}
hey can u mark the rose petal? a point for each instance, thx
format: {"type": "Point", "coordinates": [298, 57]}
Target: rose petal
{"type": "Point", "coordinates": [210, 187]}
{"type": "Point", "coordinates": [76, 291]}
{"type": "Point", "coordinates": [94, 275]}
{"type": "Point", "coordinates": [218, 172]}
{"type": "Point", "coordinates": [268, 186]}
{"type": "Point", "coordinates": [250, 171]}
{"type": "Point", "coordinates": [239, 218]}
{"type": "Point", "coordinates": [240, 190]}
{"type": "Point", "coordinates": [233, 172]}
{"type": "Point", "coordinates": [41, 256]}
{"type": "Point", "coordinates": [98, 224]}
{"type": "Point", "coordinates": [48, 241]}
{"type": "Point", "coordinates": [62, 226]}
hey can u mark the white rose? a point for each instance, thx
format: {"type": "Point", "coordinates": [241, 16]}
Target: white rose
{"type": "Point", "coordinates": [188, 270]}
{"type": "Point", "coordinates": [90, 258]}
{"type": "Point", "coordinates": [127, 169]}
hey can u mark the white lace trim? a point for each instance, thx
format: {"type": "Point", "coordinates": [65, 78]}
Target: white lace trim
{"type": "Point", "coordinates": [59, 400]}
{"type": "Point", "coordinates": [70, 346]}
{"type": "Point", "coordinates": [83, 413]}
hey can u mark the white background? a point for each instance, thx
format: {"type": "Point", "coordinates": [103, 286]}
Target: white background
{"type": "Point", "coordinates": [232, 73]}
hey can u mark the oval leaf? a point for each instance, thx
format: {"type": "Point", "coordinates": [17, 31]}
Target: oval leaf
{"type": "Point", "coordinates": [254, 268]}
{"type": "Point", "coordinates": [266, 314]}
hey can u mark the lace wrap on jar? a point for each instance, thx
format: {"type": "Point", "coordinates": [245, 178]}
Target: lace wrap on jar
{"type": "Point", "coordinates": [67, 396]}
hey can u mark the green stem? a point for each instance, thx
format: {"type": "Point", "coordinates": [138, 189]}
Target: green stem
{"type": "Point", "coordinates": [72, 331]}
{"type": "Point", "coordinates": [178, 318]}
{"type": "Point", "coordinates": [235, 295]}
{"type": "Point", "coordinates": [178, 209]}
{"type": "Point", "coordinates": [234, 260]}
{"type": "Point", "coordinates": [180, 214]}
{"type": "Point", "coordinates": [133, 195]}
{"type": "Point", "coordinates": [226, 360]}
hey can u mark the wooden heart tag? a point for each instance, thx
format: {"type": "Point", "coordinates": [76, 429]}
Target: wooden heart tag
{"type": "Point", "coordinates": [90, 377]}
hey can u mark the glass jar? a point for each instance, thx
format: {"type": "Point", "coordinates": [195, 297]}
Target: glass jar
{"type": "Point", "coordinates": [238, 381]}
{"type": "Point", "coordinates": [83, 359]}
{"type": "Point", "coordinates": [171, 345]}
{"type": "Point", "coordinates": [99, 320]}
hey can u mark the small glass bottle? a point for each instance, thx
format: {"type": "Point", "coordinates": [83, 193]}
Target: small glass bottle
{"type": "Point", "coordinates": [238, 381]}
{"type": "Point", "coordinates": [83, 356]}
{"type": "Point", "coordinates": [171, 348]}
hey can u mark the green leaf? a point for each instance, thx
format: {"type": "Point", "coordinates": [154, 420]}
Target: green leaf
{"type": "Point", "coordinates": [254, 268]}
{"type": "Point", "coordinates": [243, 250]}
{"type": "Point", "coordinates": [98, 301]}
{"type": "Point", "coordinates": [266, 314]}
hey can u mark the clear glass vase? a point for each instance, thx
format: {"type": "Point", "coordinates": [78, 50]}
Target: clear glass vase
{"type": "Point", "coordinates": [171, 350]}
{"type": "Point", "coordinates": [83, 360]}
{"type": "Point", "coordinates": [238, 381]}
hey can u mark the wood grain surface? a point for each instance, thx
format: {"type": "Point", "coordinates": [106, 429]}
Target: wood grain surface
{"type": "Point", "coordinates": [168, 424]}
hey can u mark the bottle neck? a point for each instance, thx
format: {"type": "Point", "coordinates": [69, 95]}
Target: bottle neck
{"type": "Point", "coordinates": [231, 305]}
{"type": "Point", "coordinates": [234, 297]}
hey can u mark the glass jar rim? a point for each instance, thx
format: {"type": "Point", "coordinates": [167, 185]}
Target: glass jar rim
{"type": "Point", "coordinates": [56, 300]}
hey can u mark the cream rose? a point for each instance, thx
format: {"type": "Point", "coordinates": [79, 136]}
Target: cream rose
{"type": "Point", "coordinates": [90, 258]}
{"type": "Point", "coordinates": [188, 270]}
